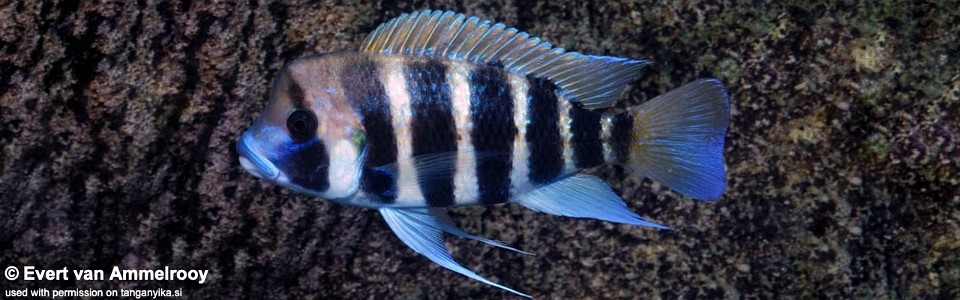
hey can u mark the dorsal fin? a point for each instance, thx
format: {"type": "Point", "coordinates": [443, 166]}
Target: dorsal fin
{"type": "Point", "coordinates": [593, 81]}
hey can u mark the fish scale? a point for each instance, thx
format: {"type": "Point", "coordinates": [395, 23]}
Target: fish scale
{"type": "Point", "coordinates": [491, 109]}
{"type": "Point", "coordinates": [439, 110]}
{"type": "Point", "coordinates": [432, 126]}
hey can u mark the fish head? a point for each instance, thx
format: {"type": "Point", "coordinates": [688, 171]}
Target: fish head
{"type": "Point", "coordinates": [307, 138]}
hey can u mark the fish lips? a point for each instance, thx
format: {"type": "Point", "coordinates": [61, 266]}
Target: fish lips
{"type": "Point", "coordinates": [254, 162]}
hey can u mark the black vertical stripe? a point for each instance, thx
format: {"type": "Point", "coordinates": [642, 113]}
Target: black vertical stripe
{"type": "Point", "coordinates": [491, 110]}
{"type": "Point", "coordinates": [307, 162]}
{"type": "Point", "coordinates": [543, 131]}
{"type": "Point", "coordinates": [295, 92]}
{"type": "Point", "coordinates": [307, 165]}
{"type": "Point", "coordinates": [621, 136]}
{"type": "Point", "coordinates": [361, 85]}
{"type": "Point", "coordinates": [433, 129]}
{"type": "Point", "coordinates": [585, 131]}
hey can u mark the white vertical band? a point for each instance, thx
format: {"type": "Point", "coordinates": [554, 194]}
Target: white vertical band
{"type": "Point", "coordinates": [606, 128]}
{"type": "Point", "coordinates": [465, 187]}
{"type": "Point", "coordinates": [394, 81]}
{"type": "Point", "coordinates": [520, 171]}
{"type": "Point", "coordinates": [565, 122]}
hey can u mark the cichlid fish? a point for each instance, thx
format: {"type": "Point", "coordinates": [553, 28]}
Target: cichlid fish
{"type": "Point", "coordinates": [440, 110]}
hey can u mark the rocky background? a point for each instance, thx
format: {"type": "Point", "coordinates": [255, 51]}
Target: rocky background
{"type": "Point", "coordinates": [118, 121]}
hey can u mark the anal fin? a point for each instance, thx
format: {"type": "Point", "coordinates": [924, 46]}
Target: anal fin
{"type": "Point", "coordinates": [583, 196]}
{"type": "Point", "coordinates": [421, 231]}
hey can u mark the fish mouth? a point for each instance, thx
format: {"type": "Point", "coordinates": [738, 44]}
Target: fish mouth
{"type": "Point", "coordinates": [252, 161]}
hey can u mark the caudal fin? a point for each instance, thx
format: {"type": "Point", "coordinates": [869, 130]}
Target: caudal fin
{"type": "Point", "coordinates": [678, 139]}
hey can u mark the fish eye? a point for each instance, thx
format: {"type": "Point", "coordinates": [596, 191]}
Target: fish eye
{"type": "Point", "coordinates": [302, 125]}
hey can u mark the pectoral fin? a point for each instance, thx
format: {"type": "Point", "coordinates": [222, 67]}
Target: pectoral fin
{"type": "Point", "coordinates": [435, 169]}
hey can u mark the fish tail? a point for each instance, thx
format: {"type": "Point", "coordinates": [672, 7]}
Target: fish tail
{"type": "Point", "coordinates": [677, 139]}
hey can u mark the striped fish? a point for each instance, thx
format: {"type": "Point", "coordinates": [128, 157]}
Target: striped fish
{"type": "Point", "coordinates": [439, 110]}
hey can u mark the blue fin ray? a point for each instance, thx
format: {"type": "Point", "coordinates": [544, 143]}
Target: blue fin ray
{"type": "Point", "coordinates": [583, 196]}
{"type": "Point", "coordinates": [593, 81]}
{"type": "Point", "coordinates": [437, 167]}
{"type": "Point", "coordinates": [421, 231]}
{"type": "Point", "coordinates": [679, 136]}
{"type": "Point", "coordinates": [446, 224]}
